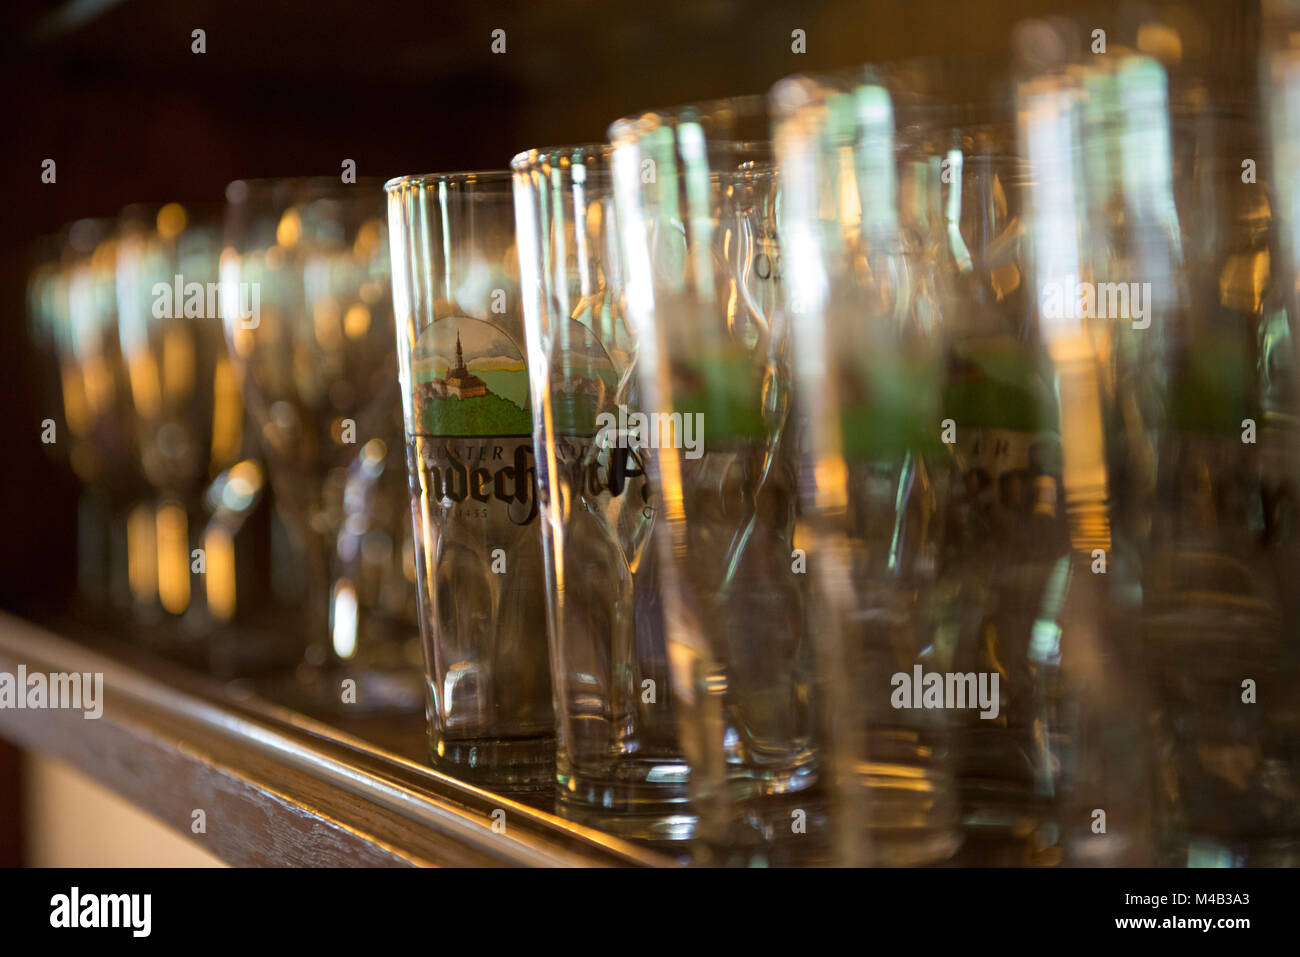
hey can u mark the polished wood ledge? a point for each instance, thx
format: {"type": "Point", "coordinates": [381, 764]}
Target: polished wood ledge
{"type": "Point", "coordinates": [277, 788]}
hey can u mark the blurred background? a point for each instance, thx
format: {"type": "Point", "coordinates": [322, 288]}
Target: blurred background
{"type": "Point", "coordinates": [111, 91]}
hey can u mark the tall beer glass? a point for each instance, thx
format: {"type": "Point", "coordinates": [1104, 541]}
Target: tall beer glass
{"type": "Point", "coordinates": [465, 399]}
{"type": "Point", "coordinates": [697, 196]}
{"type": "Point", "coordinates": [618, 763]}
{"type": "Point", "coordinates": [869, 366]}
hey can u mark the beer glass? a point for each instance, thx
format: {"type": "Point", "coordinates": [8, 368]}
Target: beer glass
{"type": "Point", "coordinates": [1189, 223]}
{"type": "Point", "coordinates": [115, 557]}
{"type": "Point", "coordinates": [304, 296]}
{"type": "Point", "coordinates": [618, 765]}
{"type": "Point", "coordinates": [463, 376]}
{"type": "Point", "coordinates": [698, 203]}
{"type": "Point", "coordinates": [868, 345]}
{"type": "Point", "coordinates": [186, 407]}
{"type": "Point", "coordinates": [1083, 674]}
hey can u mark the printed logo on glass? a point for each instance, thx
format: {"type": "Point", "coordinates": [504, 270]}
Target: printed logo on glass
{"type": "Point", "coordinates": [469, 378]}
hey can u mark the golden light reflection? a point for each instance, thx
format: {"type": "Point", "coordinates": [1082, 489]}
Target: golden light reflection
{"type": "Point", "coordinates": [173, 558]}
{"type": "Point", "coordinates": [227, 412]}
{"type": "Point", "coordinates": [105, 256]}
{"type": "Point", "coordinates": [832, 478]}
{"type": "Point", "coordinates": [145, 390]}
{"type": "Point", "coordinates": [289, 229]}
{"type": "Point", "coordinates": [141, 554]}
{"type": "Point", "coordinates": [1244, 280]}
{"type": "Point", "coordinates": [850, 213]}
{"type": "Point", "coordinates": [356, 323]}
{"type": "Point", "coordinates": [74, 399]}
{"type": "Point", "coordinates": [368, 239]}
{"type": "Point", "coordinates": [219, 547]}
{"type": "Point", "coordinates": [171, 220]}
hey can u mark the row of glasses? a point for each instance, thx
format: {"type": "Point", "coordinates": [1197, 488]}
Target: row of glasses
{"type": "Point", "coordinates": [1175, 367]}
{"type": "Point", "coordinates": [731, 441]}
{"type": "Point", "coordinates": [483, 280]}
{"type": "Point", "coordinates": [651, 279]}
{"type": "Point", "coordinates": [134, 384]}
{"type": "Point", "coordinates": [142, 407]}
{"type": "Point", "coordinates": [842, 392]}
{"type": "Point", "coordinates": [148, 329]}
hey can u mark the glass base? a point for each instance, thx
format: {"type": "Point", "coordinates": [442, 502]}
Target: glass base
{"type": "Point", "coordinates": [797, 777]}
{"type": "Point", "coordinates": [788, 829]}
{"type": "Point", "coordinates": [638, 799]}
{"type": "Point", "coordinates": [509, 765]}
{"type": "Point", "coordinates": [907, 816]}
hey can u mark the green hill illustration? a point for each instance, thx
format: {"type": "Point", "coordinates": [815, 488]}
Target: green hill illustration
{"type": "Point", "coordinates": [480, 388]}
{"type": "Point", "coordinates": [481, 415]}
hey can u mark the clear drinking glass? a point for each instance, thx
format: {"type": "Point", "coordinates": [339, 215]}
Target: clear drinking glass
{"type": "Point", "coordinates": [1217, 542]}
{"type": "Point", "coordinates": [304, 296]}
{"type": "Point", "coordinates": [618, 763]}
{"type": "Point", "coordinates": [115, 557]}
{"type": "Point", "coordinates": [697, 198]}
{"type": "Point", "coordinates": [50, 330]}
{"type": "Point", "coordinates": [188, 417]}
{"type": "Point", "coordinates": [869, 349]}
{"type": "Point", "coordinates": [1093, 772]}
{"type": "Point", "coordinates": [463, 372]}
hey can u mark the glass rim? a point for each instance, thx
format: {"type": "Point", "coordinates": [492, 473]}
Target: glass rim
{"type": "Point", "coordinates": [747, 105]}
{"type": "Point", "coordinates": [467, 177]}
{"type": "Point", "coordinates": [525, 159]}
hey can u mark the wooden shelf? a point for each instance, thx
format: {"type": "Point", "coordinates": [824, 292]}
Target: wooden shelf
{"type": "Point", "coordinates": [277, 788]}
